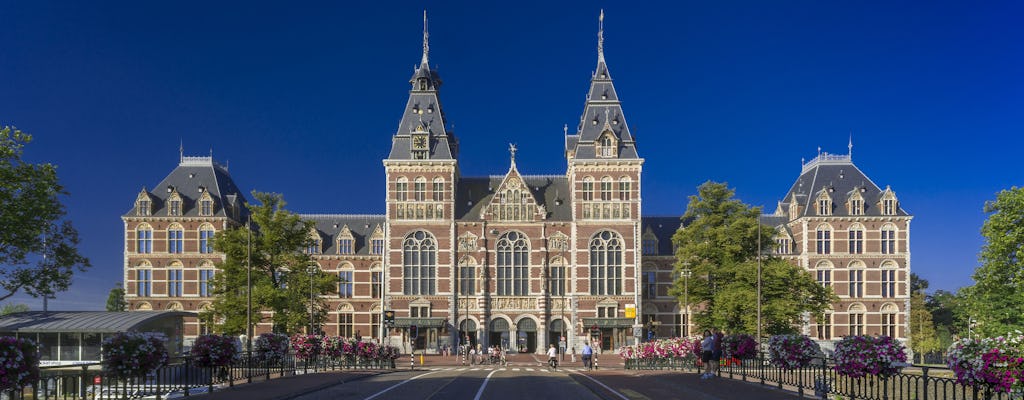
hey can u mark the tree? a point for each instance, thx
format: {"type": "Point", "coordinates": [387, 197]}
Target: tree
{"type": "Point", "coordinates": [115, 300]}
{"type": "Point", "coordinates": [719, 244]}
{"type": "Point", "coordinates": [280, 271]}
{"type": "Point", "coordinates": [38, 248]}
{"type": "Point", "coordinates": [996, 300]}
{"type": "Point", "coordinates": [923, 339]}
{"type": "Point", "coordinates": [13, 308]}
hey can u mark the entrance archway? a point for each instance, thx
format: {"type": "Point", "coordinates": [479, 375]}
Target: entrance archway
{"type": "Point", "coordinates": [526, 335]}
{"type": "Point", "coordinates": [556, 330]}
{"type": "Point", "coordinates": [467, 332]}
{"type": "Point", "coordinates": [499, 333]}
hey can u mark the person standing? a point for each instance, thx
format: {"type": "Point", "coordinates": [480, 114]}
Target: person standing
{"type": "Point", "coordinates": [716, 354]}
{"type": "Point", "coordinates": [707, 347]}
{"type": "Point", "coordinates": [588, 355]}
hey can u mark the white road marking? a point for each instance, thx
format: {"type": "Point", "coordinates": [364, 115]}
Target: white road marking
{"type": "Point", "coordinates": [606, 387]}
{"type": "Point", "coordinates": [399, 384]}
{"type": "Point", "coordinates": [515, 369]}
{"type": "Point", "coordinates": [482, 386]}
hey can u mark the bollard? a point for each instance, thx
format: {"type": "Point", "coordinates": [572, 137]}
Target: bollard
{"type": "Point", "coordinates": [595, 361]}
{"type": "Point", "coordinates": [412, 360]}
{"type": "Point", "coordinates": [421, 358]}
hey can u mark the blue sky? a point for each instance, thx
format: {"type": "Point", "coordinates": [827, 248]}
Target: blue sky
{"type": "Point", "coordinates": [303, 100]}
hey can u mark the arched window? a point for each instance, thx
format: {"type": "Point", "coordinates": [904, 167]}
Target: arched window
{"type": "Point", "coordinates": [513, 264]}
{"type": "Point", "coordinates": [175, 275]}
{"type": "Point", "coordinates": [206, 272]}
{"type": "Point", "coordinates": [588, 188]}
{"type": "Point", "coordinates": [606, 188]}
{"type": "Point", "coordinates": [402, 189]}
{"type": "Point", "coordinates": [174, 204]}
{"type": "Point", "coordinates": [346, 323]}
{"type": "Point", "coordinates": [556, 277]}
{"type": "Point", "coordinates": [206, 238]}
{"type": "Point", "coordinates": [419, 253]}
{"type": "Point", "coordinates": [856, 273]}
{"type": "Point", "coordinates": [856, 239]}
{"type": "Point", "coordinates": [824, 236]}
{"type": "Point", "coordinates": [143, 239]}
{"type": "Point", "coordinates": [625, 188]}
{"type": "Point", "coordinates": [345, 281]}
{"type": "Point", "coordinates": [857, 312]}
{"type": "Point", "coordinates": [824, 272]}
{"type": "Point", "coordinates": [144, 279]}
{"type": "Point", "coordinates": [888, 239]}
{"type": "Point", "coordinates": [175, 239]}
{"type": "Point", "coordinates": [438, 189]}
{"type": "Point", "coordinates": [206, 204]}
{"type": "Point", "coordinates": [888, 278]}
{"type": "Point", "coordinates": [375, 280]}
{"type": "Point", "coordinates": [889, 319]}
{"type": "Point", "coordinates": [420, 188]}
{"type": "Point", "coordinates": [606, 263]}
{"type": "Point", "coordinates": [467, 276]}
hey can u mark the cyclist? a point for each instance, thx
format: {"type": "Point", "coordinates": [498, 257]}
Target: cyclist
{"type": "Point", "coordinates": [552, 356]}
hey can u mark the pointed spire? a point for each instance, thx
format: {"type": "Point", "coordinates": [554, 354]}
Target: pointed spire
{"type": "Point", "coordinates": [600, 37]}
{"type": "Point", "coordinates": [426, 40]}
{"type": "Point", "coordinates": [849, 146]}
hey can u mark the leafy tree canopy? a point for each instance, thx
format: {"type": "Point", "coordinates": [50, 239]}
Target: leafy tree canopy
{"type": "Point", "coordinates": [996, 300]}
{"type": "Point", "coordinates": [281, 276]}
{"type": "Point", "coordinates": [719, 244]}
{"type": "Point", "coordinates": [11, 308]}
{"type": "Point", "coordinates": [115, 300]}
{"type": "Point", "coordinates": [38, 248]}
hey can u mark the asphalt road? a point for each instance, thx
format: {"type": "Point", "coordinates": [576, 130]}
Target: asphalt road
{"type": "Point", "coordinates": [451, 383]}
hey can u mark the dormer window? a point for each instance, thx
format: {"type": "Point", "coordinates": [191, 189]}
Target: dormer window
{"type": "Point", "coordinates": [143, 204]}
{"type": "Point", "coordinates": [206, 204]}
{"type": "Point", "coordinates": [174, 204]}
{"type": "Point", "coordinates": [650, 243]}
{"type": "Point", "coordinates": [889, 203]}
{"type": "Point", "coordinates": [824, 204]}
{"type": "Point", "coordinates": [606, 145]}
{"type": "Point", "coordinates": [377, 241]}
{"type": "Point", "coordinates": [857, 207]}
{"type": "Point", "coordinates": [423, 84]}
{"type": "Point", "coordinates": [346, 242]}
{"type": "Point", "coordinates": [314, 246]}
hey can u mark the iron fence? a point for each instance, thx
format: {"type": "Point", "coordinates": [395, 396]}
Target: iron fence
{"type": "Point", "coordinates": [179, 378]}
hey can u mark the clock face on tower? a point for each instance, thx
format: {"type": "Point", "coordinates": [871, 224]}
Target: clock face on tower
{"type": "Point", "coordinates": [419, 142]}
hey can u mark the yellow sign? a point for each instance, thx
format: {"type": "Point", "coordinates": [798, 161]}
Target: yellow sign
{"type": "Point", "coordinates": [630, 310]}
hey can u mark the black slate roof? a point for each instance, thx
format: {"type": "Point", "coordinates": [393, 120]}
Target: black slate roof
{"type": "Point", "coordinates": [839, 177]}
{"type": "Point", "coordinates": [602, 111]}
{"type": "Point", "coordinates": [330, 226]}
{"type": "Point", "coordinates": [190, 178]}
{"type": "Point", "coordinates": [551, 191]}
{"type": "Point", "coordinates": [663, 228]}
{"type": "Point", "coordinates": [423, 111]}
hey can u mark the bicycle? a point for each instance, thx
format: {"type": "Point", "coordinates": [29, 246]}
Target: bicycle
{"type": "Point", "coordinates": [552, 363]}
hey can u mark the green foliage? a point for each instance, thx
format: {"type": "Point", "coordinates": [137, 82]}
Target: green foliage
{"type": "Point", "coordinates": [719, 244]}
{"type": "Point", "coordinates": [115, 300]}
{"type": "Point", "coordinates": [280, 276]}
{"type": "Point", "coordinates": [996, 300]}
{"type": "Point", "coordinates": [38, 248]}
{"type": "Point", "coordinates": [13, 308]}
{"type": "Point", "coordinates": [923, 338]}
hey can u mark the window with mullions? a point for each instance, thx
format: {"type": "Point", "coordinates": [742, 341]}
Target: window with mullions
{"type": "Point", "coordinates": [513, 265]}
{"type": "Point", "coordinates": [206, 239]}
{"type": "Point", "coordinates": [825, 277]}
{"type": "Point", "coordinates": [888, 239]}
{"type": "Point", "coordinates": [625, 188]}
{"type": "Point", "coordinates": [856, 239]}
{"type": "Point", "coordinates": [856, 283]}
{"type": "Point", "coordinates": [144, 240]}
{"type": "Point", "coordinates": [345, 324]}
{"type": "Point", "coordinates": [402, 189]}
{"type": "Point", "coordinates": [556, 278]}
{"type": "Point", "coordinates": [824, 329]}
{"type": "Point", "coordinates": [206, 208]}
{"type": "Point", "coordinates": [377, 246]}
{"type": "Point", "coordinates": [588, 188]}
{"type": "Point", "coordinates": [375, 284]}
{"type": "Point", "coordinates": [174, 207]}
{"type": "Point", "coordinates": [824, 242]}
{"type": "Point", "coordinates": [650, 285]}
{"type": "Point", "coordinates": [419, 260]}
{"type": "Point", "coordinates": [143, 282]}
{"type": "Point", "coordinates": [205, 277]}
{"type": "Point", "coordinates": [345, 246]}
{"type": "Point", "coordinates": [888, 283]}
{"type": "Point", "coordinates": [438, 192]}
{"type": "Point", "coordinates": [650, 246]}
{"type": "Point", "coordinates": [345, 284]}
{"type": "Point", "coordinates": [857, 323]}
{"type": "Point", "coordinates": [174, 282]}
{"type": "Point", "coordinates": [467, 277]}
{"type": "Point", "coordinates": [606, 264]}
{"type": "Point", "coordinates": [420, 189]}
{"type": "Point", "coordinates": [606, 188]}
{"type": "Point", "coordinates": [175, 240]}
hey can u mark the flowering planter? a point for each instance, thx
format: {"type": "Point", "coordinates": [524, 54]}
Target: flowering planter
{"type": "Point", "coordinates": [270, 348]}
{"type": "Point", "coordinates": [214, 351]}
{"type": "Point", "coordinates": [133, 354]}
{"type": "Point", "coordinates": [19, 363]}
{"type": "Point", "coordinates": [675, 353]}
{"type": "Point", "coordinates": [995, 364]}
{"type": "Point", "coordinates": [740, 346]}
{"type": "Point", "coordinates": [791, 352]}
{"type": "Point", "coordinates": [859, 356]}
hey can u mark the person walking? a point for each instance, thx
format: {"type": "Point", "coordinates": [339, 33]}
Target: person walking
{"type": "Point", "coordinates": [707, 347]}
{"type": "Point", "coordinates": [588, 355]}
{"type": "Point", "coordinates": [716, 353]}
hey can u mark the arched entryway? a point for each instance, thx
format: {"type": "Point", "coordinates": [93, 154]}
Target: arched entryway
{"type": "Point", "coordinates": [467, 332]}
{"type": "Point", "coordinates": [526, 335]}
{"type": "Point", "coordinates": [499, 333]}
{"type": "Point", "coordinates": [556, 333]}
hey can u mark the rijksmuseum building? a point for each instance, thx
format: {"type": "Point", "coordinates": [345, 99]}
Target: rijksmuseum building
{"type": "Point", "coordinates": [522, 260]}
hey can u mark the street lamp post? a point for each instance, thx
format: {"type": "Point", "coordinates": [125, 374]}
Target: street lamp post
{"type": "Point", "coordinates": [759, 281]}
{"type": "Point", "coordinates": [311, 270]}
{"type": "Point", "coordinates": [685, 273]}
{"type": "Point", "coordinates": [248, 287]}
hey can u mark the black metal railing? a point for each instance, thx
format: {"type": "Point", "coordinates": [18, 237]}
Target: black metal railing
{"type": "Point", "coordinates": [915, 382]}
{"type": "Point", "coordinates": [179, 378]}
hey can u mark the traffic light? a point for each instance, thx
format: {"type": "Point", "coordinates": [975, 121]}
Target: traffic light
{"type": "Point", "coordinates": [413, 332]}
{"type": "Point", "coordinates": [389, 317]}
